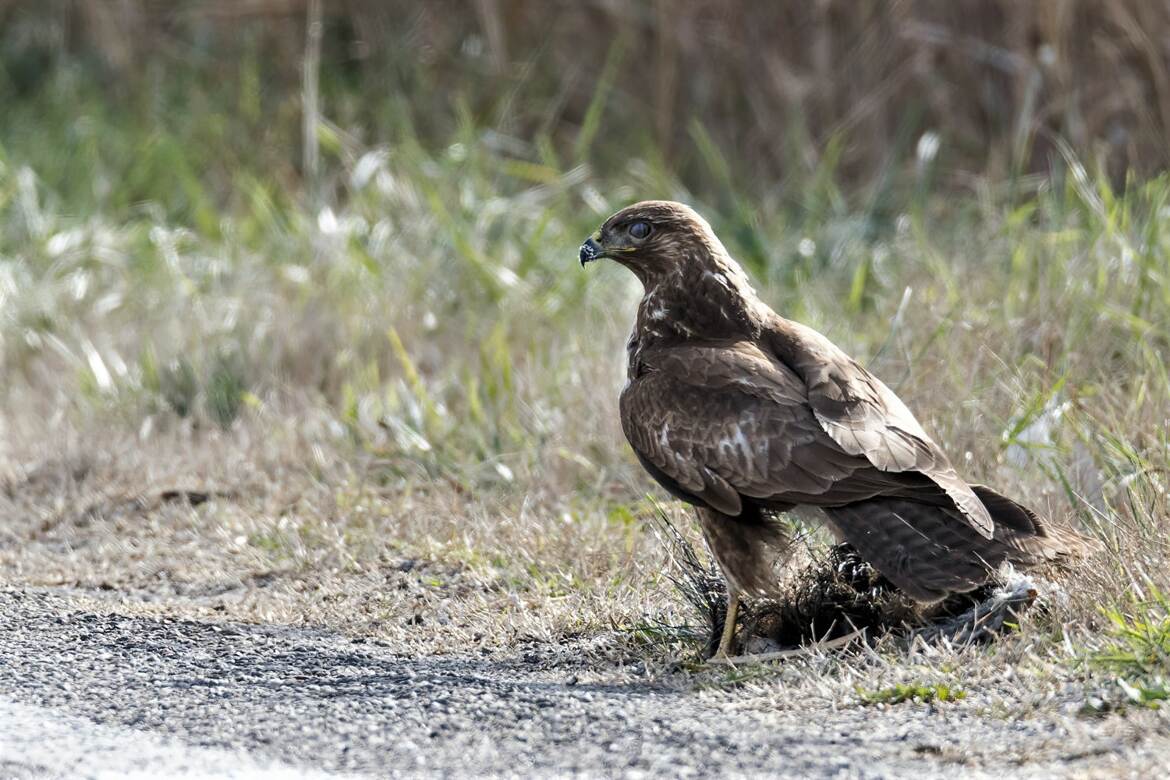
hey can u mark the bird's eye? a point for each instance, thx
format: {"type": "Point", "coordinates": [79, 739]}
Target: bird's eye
{"type": "Point", "coordinates": [640, 229]}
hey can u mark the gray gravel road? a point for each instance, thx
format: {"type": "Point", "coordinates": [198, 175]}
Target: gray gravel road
{"type": "Point", "coordinates": [83, 693]}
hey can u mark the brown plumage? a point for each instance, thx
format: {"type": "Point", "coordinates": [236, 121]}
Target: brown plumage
{"type": "Point", "coordinates": [743, 413]}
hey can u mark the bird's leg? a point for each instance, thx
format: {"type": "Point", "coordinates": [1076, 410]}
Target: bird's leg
{"type": "Point", "coordinates": [728, 637]}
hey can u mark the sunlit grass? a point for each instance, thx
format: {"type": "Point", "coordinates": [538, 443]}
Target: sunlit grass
{"type": "Point", "coordinates": [907, 692]}
{"type": "Point", "coordinates": [1135, 649]}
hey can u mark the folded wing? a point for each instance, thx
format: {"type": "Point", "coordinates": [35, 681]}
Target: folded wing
{"type": "Point", "coordinates": [717, 424]}
{"type": "Point", "coordinates": [865, 418]}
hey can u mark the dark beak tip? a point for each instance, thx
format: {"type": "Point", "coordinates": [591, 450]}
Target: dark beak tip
{"type": "Point", "coordinates": [590, 251]}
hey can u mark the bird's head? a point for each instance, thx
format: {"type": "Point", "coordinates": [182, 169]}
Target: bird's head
{"type": "Point", "coordinates": [655, 239]}
{"type": "Point", "coordinates": [692, 286]}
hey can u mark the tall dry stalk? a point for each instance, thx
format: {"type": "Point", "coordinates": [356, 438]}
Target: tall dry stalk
{"type": "Point", "coordinates": [311, 112]}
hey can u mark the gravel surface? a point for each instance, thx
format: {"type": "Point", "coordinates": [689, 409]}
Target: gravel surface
{"type": "Point", "coordinates": [290, 700]}
{"type": "Point", "coordinates": [37, 742]}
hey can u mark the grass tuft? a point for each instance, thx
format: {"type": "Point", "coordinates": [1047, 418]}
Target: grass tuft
{"type": "Point", "coordinates": [914, 692]}
{"type": "Point", "coordinates": [1136, 649]}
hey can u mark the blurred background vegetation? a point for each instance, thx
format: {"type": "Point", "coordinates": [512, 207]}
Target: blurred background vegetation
{"type": "Point", "coordinates": [757, 94]}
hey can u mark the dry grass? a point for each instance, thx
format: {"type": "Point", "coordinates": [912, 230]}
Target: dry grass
{"type": "Point", "coordinates": [275, 536]}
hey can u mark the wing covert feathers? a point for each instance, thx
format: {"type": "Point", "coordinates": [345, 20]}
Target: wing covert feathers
{"type": "Point", "coordinates": [719, 424]}
{"type": "Point", "coordinates": [865, 418]}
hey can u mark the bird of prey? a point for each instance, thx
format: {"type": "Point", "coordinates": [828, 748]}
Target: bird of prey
{"type": "Point", "coordinates": [745, 414]}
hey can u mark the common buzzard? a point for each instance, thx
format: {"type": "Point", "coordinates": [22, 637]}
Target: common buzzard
{"type": "Point", "coordinates": [745, 414]}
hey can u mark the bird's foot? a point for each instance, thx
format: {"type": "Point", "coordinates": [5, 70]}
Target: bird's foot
{"type": "Point", "coordinates": [727, 640]}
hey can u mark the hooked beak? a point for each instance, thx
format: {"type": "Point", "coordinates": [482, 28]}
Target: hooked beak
{"type": "Point", "coordinates": [590, 251]}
